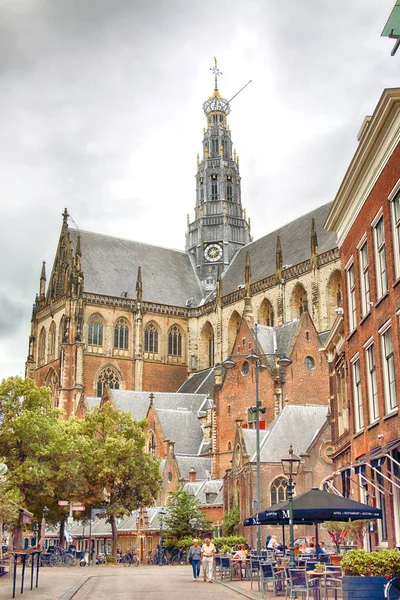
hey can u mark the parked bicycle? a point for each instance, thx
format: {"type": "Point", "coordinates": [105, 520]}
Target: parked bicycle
{"type": "Point", "coordinates": [130, 558]}
{"type": "Point", "coordinates": [392, 588]}
{"type": "Point", "coordinates": [179, 558]}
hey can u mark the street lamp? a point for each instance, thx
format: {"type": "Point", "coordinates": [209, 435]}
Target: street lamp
{"type": "Point", "coordinates": [160, 556]}
{"type": "Point", "coordinates": [255, 358]}
{"type": "Point", "coordinates": [290, 466]}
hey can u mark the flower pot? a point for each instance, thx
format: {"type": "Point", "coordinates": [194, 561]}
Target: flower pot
{"type": "Point", "coordinates": [363, 588]}
{"type": "Point", "coordinates": [335, 560]}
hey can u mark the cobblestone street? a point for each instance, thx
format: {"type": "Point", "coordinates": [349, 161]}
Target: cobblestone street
{"type": "Point", "coordinates": [119, 583]}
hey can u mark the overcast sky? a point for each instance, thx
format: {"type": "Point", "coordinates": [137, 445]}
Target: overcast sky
{"type": "Point", "coordinates": [101, 112]}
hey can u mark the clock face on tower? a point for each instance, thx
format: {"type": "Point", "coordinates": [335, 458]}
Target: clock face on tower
{"type": "Point", "coordinates": [212, 252]}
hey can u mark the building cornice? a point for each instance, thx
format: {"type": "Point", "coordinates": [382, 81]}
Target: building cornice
{"type": "Point", "coordinates": [378, 140]}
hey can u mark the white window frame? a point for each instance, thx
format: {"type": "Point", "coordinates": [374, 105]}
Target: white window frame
{"type": "Point", "coordinates": [357, 394]}
{"type": "Point", "coordinates": [373, 404]}
{"type": "Point", "coordinates": [395, 200]}
{"type": "Point", "coordinates": [364, 277]}
{"type": "Point", "coordinates": [382, 284]}
{"type": "Point", "coordinates": [389, 371]}
{"type": "Point", "coordinates": [351, 296]}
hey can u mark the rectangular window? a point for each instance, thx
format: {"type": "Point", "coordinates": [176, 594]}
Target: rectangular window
{"type": "Point", "coordinates": [214, 190]}
{"type": "Point", "coordinates": [364, 280]}
{"type": "Point", "coordinates": [351, 292]}
{"type": "Point", "coordinates": [380, 258]}
{"type": "Point", "coordinates": [372, 388]}
{"type": "Point", "coordinates": [389, 381]}
{"type": "Point", "coordinates": [343, 413]}
{"type": "Point", "coordinates": [229, 195]}
{"type": "Point", "coordinates": [358, 408]}
{"type": "Point", "coordinates": [396, 233]}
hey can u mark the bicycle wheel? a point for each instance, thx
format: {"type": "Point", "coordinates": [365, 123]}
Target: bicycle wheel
{"type": "Point", "coordinates": [68, 560]}
{"type": "Point", "coordinates": [53, 560]}
{"type": "Point", "coordinates": [126, 561]}
{"type": "Point", "coordinates": [392, 590]}
{"type": "Point", "coordinates": [135, 561]}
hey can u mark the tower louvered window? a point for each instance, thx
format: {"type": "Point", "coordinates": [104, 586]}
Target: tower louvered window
{"type": "Point", "coordinates": [95, 331]}
{"type": "Point", "coordinates": [108, 375]}
{"type": "Point", "coordinates": [229, 192]}
{"type": "Point", "coordinates": [121, 334]}
{"type": "Point", "coordinates": [174, 341]}
{"type": "Point", "coordinates": [151, 339]}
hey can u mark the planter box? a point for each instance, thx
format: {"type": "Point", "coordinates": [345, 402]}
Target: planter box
{"type": "Point", "coordinates": [335, 560]}
{"type": "Point", "coordinates": [363, 588]}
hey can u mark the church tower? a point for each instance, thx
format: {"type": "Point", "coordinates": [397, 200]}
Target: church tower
{"type": "Point", "coordinates": [219, 228]}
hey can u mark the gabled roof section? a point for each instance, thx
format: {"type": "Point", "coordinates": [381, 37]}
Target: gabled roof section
{"type": "Point", "coordinates": [137, 403]}
{"type": "Point", "coordinates": [199, 383]}
{"type": "Point", "coordinates": [201, 465]}
{"type": "Point", "coordinates": [207, 493]}
{"type": "Point", "coordinates": [110, 266]}
{"type": "Point", "coordinates": [277, 340]}
{"type": "Point", "coordinates": [295, 240]}
{"type": "Point", "coordinates": [297, 425]}
{"type": "Point", "coordinates": [183, 428]}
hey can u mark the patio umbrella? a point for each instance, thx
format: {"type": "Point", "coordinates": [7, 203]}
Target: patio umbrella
{"type": "Point", "coordinates": [315, 506]}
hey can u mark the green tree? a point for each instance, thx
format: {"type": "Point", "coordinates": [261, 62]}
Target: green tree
{"type": "Point", "coordinates": [42, 464]}
{"type": "Point", "coordinates": [120, 475]}
{"type": "Point", "coordinates": [184, 517]}
{"type": "Point", "coordinates": [231, 521]}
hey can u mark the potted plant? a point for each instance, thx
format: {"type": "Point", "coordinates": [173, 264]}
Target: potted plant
{"type": "Point", "coordinates": [319, 567]}
{"type": "Point", "coordinates": [365, 573]}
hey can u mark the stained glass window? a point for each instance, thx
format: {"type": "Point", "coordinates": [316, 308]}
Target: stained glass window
{"type": "Point", "coordinates": [121, 334]}
{"type": "Point", "coordinates": [175, 341]}
{"type": "Point", "coordinates": [151, 338]}
{"type": "Point", "coordinates": [108, 375]}
{"type": "Point", "coordinates": [95, 331]}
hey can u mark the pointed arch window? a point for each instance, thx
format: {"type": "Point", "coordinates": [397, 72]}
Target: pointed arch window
{"type": "Point", "coordinates": [175, 341]}
{"type": "Point", "coordinates": [52, 341]}
{"type": "Point", "coordinates": [95, 331]}
{"type": "Point", "coordinates": [121, 334]}
{"type": "Point", "coordinates": [229, 191]}
{"type": "Point", "coordinates": [278, 490]}
{"type": "Point", "coordinates": [214, 187]}
{"type": "Point", "coordinates": [107, 375]}
{"type": "Point", "coordinates": [211, 349]}
{"type": "Point", "coordinates": [151, 339]}
{"type": "Point", "coordinates": [42, 347]}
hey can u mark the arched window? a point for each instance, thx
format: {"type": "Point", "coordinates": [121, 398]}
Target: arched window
{"type": "Point", "coordinates": [121, 334]}
{"type": "Point", "coordinates": [298, 301]}
{"type": "Point", "coordinates": [233, 327]}
{"type": "Point", "coordinates": [207, 346]}
{"type": "Point", "coordinates": [107, 375]}
{"type": "Point", "coordinates": [61, 332]}
{"type": "Point", "coordinates": [51, 381]}
{"type": "Point", "coordinates": [334, 296]}
{"type": "Point", "coordinates": [266, 313]}
{"type": "Point", "coordinates": [151, 338]}
{"type": "Point", "coordinates": [229, 446]}
{"type": "Point", "coordinates": [66, 280]}
{"type": "Point", "coordinates": [175, 341]}
{"type": "Point", "coordinates": [42, 347]}
{"type": "Point", "coordinates": [95, 331]}
{"type": "Point", "coordinates": [278, 490]}
{"type": "Point", "coordinates": [52, 341]}
{"type": "Point", "coordinates": [151, 444]}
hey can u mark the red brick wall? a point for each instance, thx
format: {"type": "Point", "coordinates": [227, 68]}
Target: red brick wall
{"type": "Point", "coordinates": [381, 311]}
{"type": "Point", "coordinates": [163, 378]}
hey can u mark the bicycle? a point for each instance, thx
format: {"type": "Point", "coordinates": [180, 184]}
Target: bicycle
{"type": "Point", "coordinates": [179, 558]}
{"type": "Point", "coordinates": [392, 588]}
{"type": "Point", "coordinates": [129, 559]}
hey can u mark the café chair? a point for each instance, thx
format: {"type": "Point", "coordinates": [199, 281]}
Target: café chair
{"type": "Point", "coordinates": [298, 583]}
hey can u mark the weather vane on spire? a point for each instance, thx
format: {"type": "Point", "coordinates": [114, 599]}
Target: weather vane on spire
{"type": "Point", "coordinates": [217, 73]}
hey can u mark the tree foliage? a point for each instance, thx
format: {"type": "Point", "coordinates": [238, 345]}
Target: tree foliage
{"type": "Point", "coordinates": [119, 474]}
{"type": "Point", "coordinates": [185, 518]}
{"type": "Point", "coordinates": [231, 521]}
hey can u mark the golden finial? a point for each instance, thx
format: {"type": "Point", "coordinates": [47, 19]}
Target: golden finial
{"type": "Point", "coordinates": [224, 208]}
{"type": "Point", "coordinates": [198, 158]}
{"type": "Point", "coordinates": [237, 159]}
{"type": "Point", "coordinates": [206, 152]}
{"type": "Point", "coordinates": [204, 129]}
{"type": "Point", "coordinates": [217, 73]}
{"type": "Point", "coordinates": [221, 150]}
{"type": "Point", "coordinates": [249, 222]}
{"type": "Point", "coordinates": [187, 219]}
{"type": "Point", "coordinates": [201, 210]}
{"type": "Point", "coordinates": [234, 155]}
{"type": "Point", "coordinates": [244, 214]}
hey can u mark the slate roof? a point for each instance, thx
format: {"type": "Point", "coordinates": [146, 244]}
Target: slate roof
{"type": "Point", "coordinates": [295, 243]}
{"type": "Point", "coordinates": [110, 266]}
{"type": "Point", "coordinates": [297, 425]}
{"type": "Point", "coordinates": [201, 464]}
{"type": "Point", "coordinates": [200, 491]}
{"type": "Point", "coordinates": [92, 401]}
{"type": "Point", "coordinates": [137, 403]}
{"type": "Point", "coordinates": [183, 428]}
{"type": "Point", "coordinates": [277, 339]}
{"type": "Point", "coordinates": [201, 382]}
{"type": "Point", "coordinates": [323, 336]}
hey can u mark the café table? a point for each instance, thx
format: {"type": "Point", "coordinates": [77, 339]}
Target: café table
{"type": "Point", "coordinates": [315, 577]}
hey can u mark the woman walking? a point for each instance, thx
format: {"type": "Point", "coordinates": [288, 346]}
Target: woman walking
{"type": "Point", "coordinates": [194, 558]}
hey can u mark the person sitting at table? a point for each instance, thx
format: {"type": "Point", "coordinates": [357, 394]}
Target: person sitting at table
{"type": "Point", "coordinates": [272, 543]}
{"type": "Point", "coordinates": [297, 551]}
{"type": "Point", "coordinates": [239, 560]}
{"type": "Point", "coordinates": [310, 549]}
{"type": "Point", "coordinates": [321, 549]}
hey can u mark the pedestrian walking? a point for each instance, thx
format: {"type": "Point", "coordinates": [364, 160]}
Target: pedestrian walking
{"type": "Point", "coordinates": [194, 557]}
{"type": "Point", "coordinates": [208, 552]}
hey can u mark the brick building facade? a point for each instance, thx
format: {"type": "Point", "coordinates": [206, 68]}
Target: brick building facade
{"type": "Point", "coordinates": [364, 345]}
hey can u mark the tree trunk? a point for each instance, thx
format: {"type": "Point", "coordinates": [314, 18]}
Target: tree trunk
{"type": "Point", "coordinates": [114, 532]}
{"type": "Point", "coordinates": [62, 530]}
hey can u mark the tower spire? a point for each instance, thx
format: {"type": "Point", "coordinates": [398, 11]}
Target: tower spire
{"type": "Point", "coordinates": [217, 73]}
{"type": "Point", "coordinates": [42, 291]}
